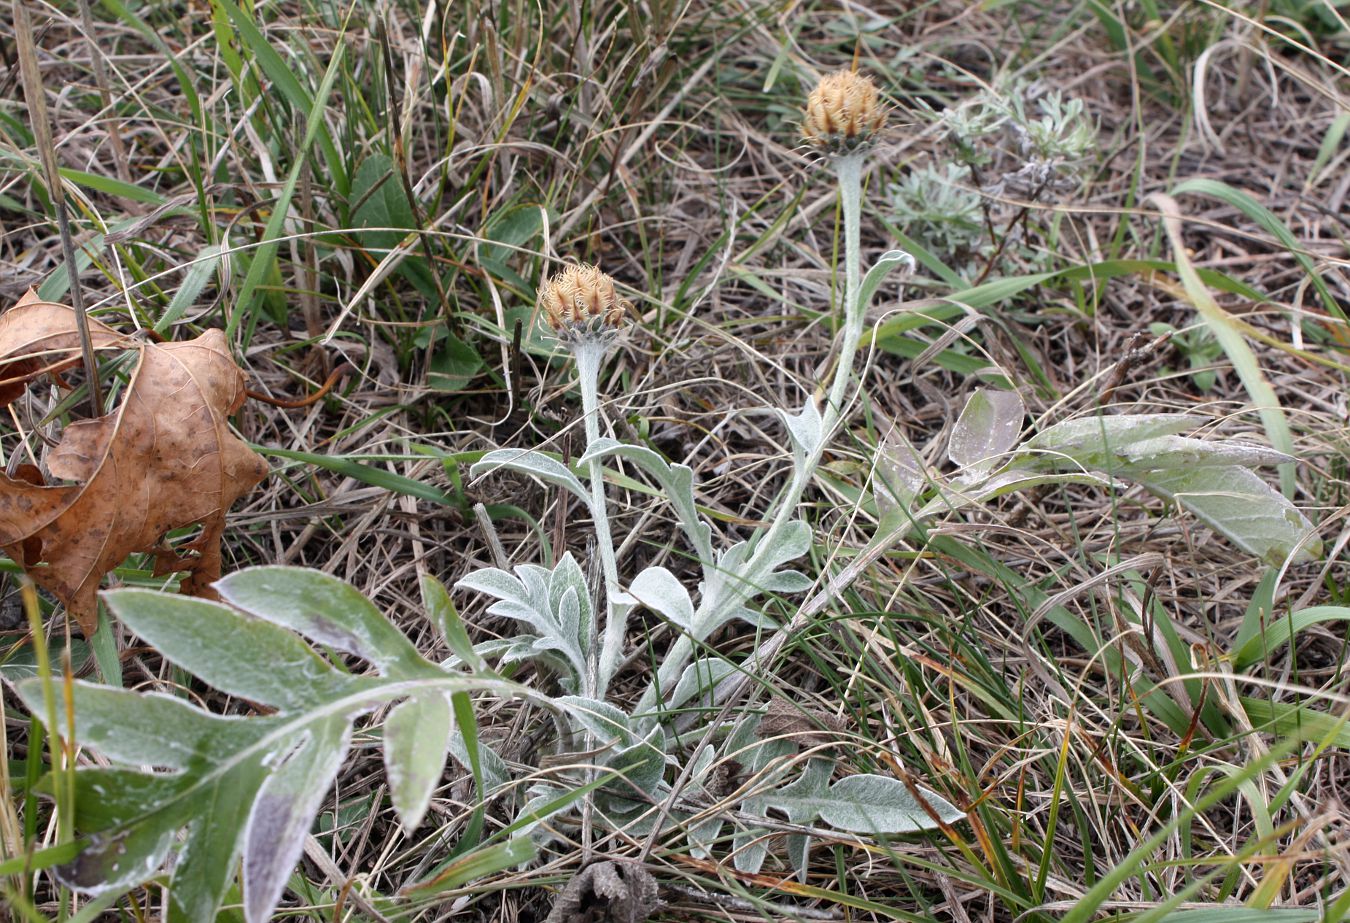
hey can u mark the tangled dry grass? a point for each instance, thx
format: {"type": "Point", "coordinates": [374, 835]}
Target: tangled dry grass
{"type": "Point", "coordinates": [661, 141]}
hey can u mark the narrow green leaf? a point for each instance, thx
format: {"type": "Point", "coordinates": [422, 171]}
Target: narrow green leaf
{"type": "Point", "coordinates": [262, 260]}
{"type": "Point", "coordinates": [1221, 324]}
{"type": "Point", "coordinates": [1268, 222]}
{"type": "Point", "coordinates": [1283, 630]}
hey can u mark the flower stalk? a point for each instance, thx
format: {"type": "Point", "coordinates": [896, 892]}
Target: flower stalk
{"type": "Point", "coordinates": [842, 118]}
{"type": "Point", "coordinates": [584, 310]}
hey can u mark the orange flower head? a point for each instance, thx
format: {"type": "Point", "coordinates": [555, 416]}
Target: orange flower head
{"type": "Point", "coordinates": [581, 302]}
{"type": "Point", "coordinates": [843, 113]}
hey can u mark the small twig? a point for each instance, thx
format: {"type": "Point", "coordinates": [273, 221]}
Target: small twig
{"type": "Point", "coordinates": [42, 133]}
{"type": "Point", "coordinates": [333, 376]}
{"type": "Point", "coordinates": [1134, 354]}
{"type": "Point", "coordinates": [1007, 233]}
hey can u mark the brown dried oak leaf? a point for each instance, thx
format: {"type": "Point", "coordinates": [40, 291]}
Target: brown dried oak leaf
{"type": "Point", "coordinates": [165, 460]}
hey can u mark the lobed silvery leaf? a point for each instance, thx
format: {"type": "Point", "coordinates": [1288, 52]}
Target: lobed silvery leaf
{"type": "Point", "coordinates": [742, 574]}
{"type": "Point", "coordinates": [416, 739]}
{"type": "Point", "coordinates": [863, 803]}
{"type": "Point", "coordinates": [230, 787]}
{"type": "Point", "coordinates": [986, 430]}
{"type": "Point", "coordinates": [535, 464]}
{"type": "Point", "coordinates": [676, 480]}
{"type": "Point", "coordinates": [148, 729]}
{"type": "Point", "coordinates": [556, 604]}
{"type": "Point", "coordinates": [659, 590]}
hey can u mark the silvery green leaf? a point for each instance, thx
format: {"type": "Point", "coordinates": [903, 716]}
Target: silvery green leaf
{"type": "Point", "coordinates": [284, 811]}
{"type": "Point", "coordinates": [659, 590]}
{"type": "Point", "coordinates": [244, 656]}
{"type": "Point", "coordinates": [676, 480]}
{"type": "Point", "coordinates": [750, 847]}
{"type": "Point", "coordinates": [880, 804]}
{"type": "Point", "coordinates": [416, 738]}
{"type": "Point", "coordinates": [783, 582]}
{"type": "Point", "coordinates": [540, 599]}
{"type": "Point", "coordinates": [743, 573]}
{"type": "Point", "coordinates": [699, 676]}
{"type": "Point", "coordinates": [793, 541]}
{"type": "Point", "coordinates": [805, 430]}
{"type": "Point", "coordinates": [497, 584]}
{"type": "Point", "coordinates": [750, 843]}
{"type": "Point", "coordinates": [643, 764]}
{"type": "Point", "coordinates": [120, 859]}
{"type": "Point", "coordinates": [535, 464]}
{"type": "Point", "coordinates": [147, 729]}
{"type": "Point", "coordinates": [210, 853]}
{"type": "Point", "coordinates": [859, 804]}
{"type": "Point", "coordinates": [986, 430]}
{"type": "Point", "coordinates": [545, 802]}
{"type": "Point", "coordinates": [799, 853]}
{"type": "Point", "coordinates": [1086, 440]}
{"type": "Point", "coordinates": [325, 609]}
{"type": "Point", "coordinates": [1237, 504]}
{"type": "Point", "coordinates": [1184, 452]}
{"type": "Point", "coordinates": [570, 621]}
{"type": "Point", "coordinates": [567, 576]}
{"type": "Point", "coordinates": [225, 786]}
{"type": "Point", "coordinates": [887, 263]}
{"type": "Point", "coordinates": [901, 475]}
{"type": "Point", "coordinates": [602, 719]}
{"type": "Point", "coordinates": [753, 616]}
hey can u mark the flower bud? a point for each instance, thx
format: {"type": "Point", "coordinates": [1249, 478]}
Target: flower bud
{"type": "Point", "coordinates": [580, 302]}
{"type": "Point", "coordinates": [843, 113]}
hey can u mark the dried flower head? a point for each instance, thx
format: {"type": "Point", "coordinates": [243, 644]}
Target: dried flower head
{"type": "Point", "coordinates": [580, 302]}
{"type": "Point", "coordinates": [843, 113]}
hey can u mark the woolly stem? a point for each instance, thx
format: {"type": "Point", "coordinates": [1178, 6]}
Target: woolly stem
{"type": "Point", "coordinates": [589, 353]}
